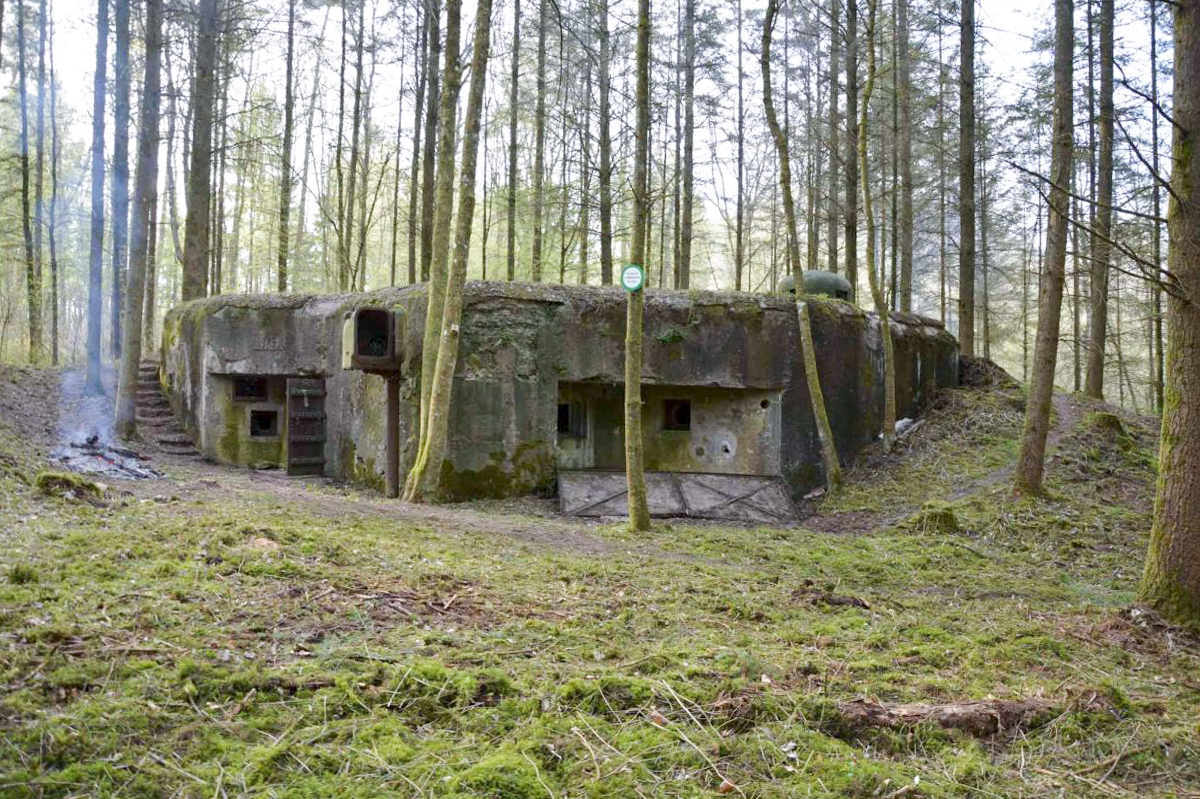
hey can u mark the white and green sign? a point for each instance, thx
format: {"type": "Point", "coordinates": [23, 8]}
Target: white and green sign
{"type": "Point", "coordinates": [633, 277]}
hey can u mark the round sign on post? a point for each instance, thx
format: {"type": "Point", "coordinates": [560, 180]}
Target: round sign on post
{"type": "Point", "coordinates": [632, 277]}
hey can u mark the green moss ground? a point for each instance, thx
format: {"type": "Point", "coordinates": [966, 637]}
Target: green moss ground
{"type": "Point", "coordinates": [249, 646]}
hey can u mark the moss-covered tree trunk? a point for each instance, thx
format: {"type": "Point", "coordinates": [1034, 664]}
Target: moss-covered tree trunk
{"type": "Point", "coordinates": [881, 307]}
{"type": "Point", "coordinates": [1171, 581]}
{"type": "Point", "coordinates": [635, 476]}
{"type": "Point", "coordinates": [427, 472]}
{"type": "Point", "coordinates": [96, 233]}
{"type": "Point", "coordinates": [439, 265]}
{"type": "Point", "coordinates": [145, 197]}
{"type": "Point", "coordinates": [1031, 460]}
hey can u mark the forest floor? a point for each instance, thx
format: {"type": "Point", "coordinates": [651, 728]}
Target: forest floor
{"type": "Point", "coordinates": [222, 632]}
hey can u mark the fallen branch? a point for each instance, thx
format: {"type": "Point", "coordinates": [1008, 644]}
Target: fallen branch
{"type": "Point", "coordinates": [979, 718]}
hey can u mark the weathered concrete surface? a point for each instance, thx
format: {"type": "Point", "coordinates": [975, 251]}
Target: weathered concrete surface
{"type": "Point", "coordinates": [522, 344]}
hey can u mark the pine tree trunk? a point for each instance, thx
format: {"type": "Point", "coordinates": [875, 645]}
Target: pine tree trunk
{"type": "Point", "coordinates": [513, 95]}
{"type": "Point", "coordinates": [196, 226]}
{"type": "Point", "coordinates": [687, 198]}
{"type": "Point", "coordinates": [1158, 349]}
{"type": "Point", "coordinates": [145, 197]}
{"type": "Point", "coordinates": [347, 271]}
{"type": "Point", "coordinates": [120, 168]}
{"type": "Point", "coordinates": [172, 194]}
{"type": "Point", "coordinates": [39, 210]}
{"type": "Point", "coordinates": [33, 277]}
{"type": "Point", "coordinates": [539, 146]}
{"type": "Point", "coordinates": [1032, 458]}
{"type": "Point", "coordinates": [906, 175]}
{"type": "Point", "coordinates": [96, 248]}
{"type": "Point", "coordinates": [851, 151]}
{"type": "Point", "coordinates": [739, 232]}
{"type": "Point", "coordinates": [396, 185]}
{"type": "Point", "coordinates": [606, 226]}
{"type": "Point", "coordinates": [285, 148]}
{"type": "Point", "coordinates": [298, 240]}
{"type": "Point", "coordinates": [1171, 581]}
{"type": "Point", "coordinates": [941, 159]}
{"type": "Point", "coordinates": [53, 227]}
{"type": "Point", "coordinates": [432, 111]}
{"type": "Point", "coordinates": [635, 475]}
{"type": "Point", "coordinates": [966, 181]}
{"type": "Point", "coordinates": [1101, 250]}
{"type": "Point", "coordinates": [832, 205]}
{"type": "Point", "coordinates": [438, 428]}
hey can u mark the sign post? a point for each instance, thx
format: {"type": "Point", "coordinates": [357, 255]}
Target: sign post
{"type": "Point", "coordinates": [633, 277]}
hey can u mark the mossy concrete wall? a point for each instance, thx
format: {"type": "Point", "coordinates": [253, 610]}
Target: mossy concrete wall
{"type": "Point", "coordinates": [520, 341]}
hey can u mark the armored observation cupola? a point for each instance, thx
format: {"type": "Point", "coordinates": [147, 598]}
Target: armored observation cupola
{"type": "Point", "coordinates": [825, 284]}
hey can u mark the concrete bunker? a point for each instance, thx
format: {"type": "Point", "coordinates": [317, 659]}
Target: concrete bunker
{"type": "Point", "coordinates": [538, 387]}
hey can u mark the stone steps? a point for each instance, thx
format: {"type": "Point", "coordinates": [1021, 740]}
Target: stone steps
{"type": "Point", "coordinates": [154, 413]}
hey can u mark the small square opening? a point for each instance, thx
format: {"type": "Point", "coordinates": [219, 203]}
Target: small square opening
{"type": "Point", "coordinates": [677, 414]}
{"type": "Point", "coordinates": [372, 333]}
{"type": "Point", "coordinates": [250, 389]}
{"type": "Point", "coordinates": [572, 420]}
{"type": "Point", "coordinates": [264, 424]}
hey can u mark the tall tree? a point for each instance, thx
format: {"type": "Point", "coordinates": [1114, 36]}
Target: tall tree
{"type": "Point", "coordinates": [683, 267]}
{"type": "Point", "coordinates": [606, 168]}
{"type": "Point", "coordinates": [966, 181]}
{"type": "Point", "coordinates": [433, 35]}
{"type": "Point", "coordinates": [285, 154]}
{"type": "Point", "coordinates": [881, 305]}
{"type": "Point", "coordinates": [53, 227]}
{"type": "Point", "coordinates": [739, 230]}
{"type": "Point", "coordinates": [851, 148]}
{"type": "Point", "coordinates": [96, 248]}
{"type": "Point", "coordinates": [1031, 461]}
{"type": "Point", "coordinates": [33, 277]}
{"type": "Point", "coordinates": [1171, 580]}
{"type": "Point", "coordinates": [1101, 249]}
{"type": "Point", "coordinates": [539, 145]}
{"type": "Point", "coordinates": [433, 450]}
{"type": "Point", "coordinates": [39, 165]}
{"type": "Point", "coordinates": [904, 101]}
{"type": "Point", "coordinates": [635, 476]}
{"type": "Point", "coordinates": [832, 206]}
{"type": "Point", "coordinates": [120, 167]}
{"type": "Point", "coordinates": [199, 178]}
{"type": "Point", "coordinates": [833, 471]}
{"type": "Point", "coordinates": [1158, 348]}
{"type": "Point", "coordinates": [513, 93]}
{"type": "Point", "coordinates": [145, 197]}
{"type": "Point", "coordinates": [415, 165]}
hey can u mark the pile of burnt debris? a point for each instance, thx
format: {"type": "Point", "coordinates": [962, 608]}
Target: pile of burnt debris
{"type": "Point", "coordinates": [93, 455]}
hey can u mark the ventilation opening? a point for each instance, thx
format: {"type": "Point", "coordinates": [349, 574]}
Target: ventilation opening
{"type": "Point", "coordinates": [677, 414]}
{"type": "Point", "coordinates": [264, 424]}
{"type": "Point", "coordinates": [571, 419]}
{"type": "Point", "coordinates": [372, 333]}
{"type": "Point", "coordinates": [250, 389]}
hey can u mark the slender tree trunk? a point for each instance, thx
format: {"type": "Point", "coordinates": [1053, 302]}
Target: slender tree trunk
{"type": "Point", "coordinates": [438, 428]}
{"type": "Point", "coordinates": [148, 339]}
{"type": "Point", "coordinates": [297, 242]}
{"type": "Point", "coordinates": [172, 194]}
{"type": "Point", "coordinates": [966, 182]}
{"type": "Point", "coordinates": [39, 169]}
{"type": "Point", "coordinates": [54, 158]}
{"type": "Point", "coordinates": [145, 197]}
{"type": "Point", "coordinates": [906, 175]}
{"type": "Point", "coordinates": [285, 166]}
{"type": "Point", "coordinates": [635, 477]}
{"type": "Point", "coordinates": [1101, 250]}
{"type": "Point", "coordinates": [585, 146]}
{"type": "Point", "coordinates": [396, 188]}
{"type": "Point", "coordinates": [1171, 581]}
{"type": "Point", "coordinates": [687, 199]}
{"type": "Point", "coordinates": [1032, 458]}
{"type": "Point", "coordinates": [539, 146]}
{"type": "Point", "coordinates": [120, 169]}
{"type": "Point", "coordinates": [513, 94]}
{"type": "Point", "coordinates": [196, 226]}
{"type": "Point", "coordinates": [440, 263]}
{"type": "Point", "coordinates": [739, 233]}
{"type": "Point", "coordinates": [1159, 354]}
{"type": "Point", "coordinates": [428, 167]}
{"type": "Point", "coordinates": [851, 151]}
{"type": "Point", "coordinates": [606, 227]}
{"type": "Point", "coordinates": [833, 215]}
{"type": "Point", "coordinates": [941, 159]}
{"type": "Point", "coordinates": [96, 248]}
{"type": "Point", "coordinates": [414, 166]}
{"type": "Point", "coordinates": [347, 272]}
{"type": "Point", "coordinates": [33, 277]}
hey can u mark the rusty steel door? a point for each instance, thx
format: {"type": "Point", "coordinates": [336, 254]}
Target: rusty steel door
{"type": "Point", "coordinates": [730, 497]}
{"type": "Point", "coordinates": [306, 426]}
